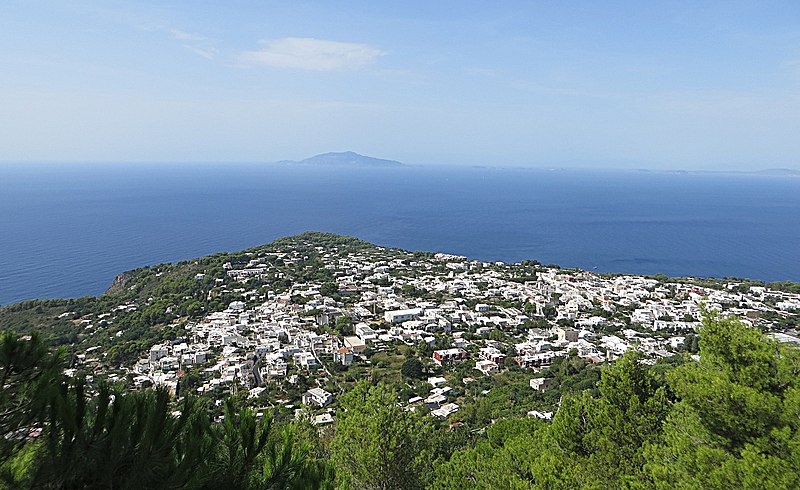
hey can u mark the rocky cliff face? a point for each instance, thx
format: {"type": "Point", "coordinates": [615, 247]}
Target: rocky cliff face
{"type": "Point", "coordinates": [120, 283]}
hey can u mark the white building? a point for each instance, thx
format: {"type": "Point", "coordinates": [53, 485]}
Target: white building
{"type": "Point", "coordinates": [343, 356]}
{"type": "Point", "coordinates": [486, 366]}
{"type": "Point", "coordinates": [365, 333]}
{"type": "Point", "coordinates": [317, 397]}
{"type": "Point", "coordinates": [400, 316]}
{"type": "Point", "coordinates": [157, 352]}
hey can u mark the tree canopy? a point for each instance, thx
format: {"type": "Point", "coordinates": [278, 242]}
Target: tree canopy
{"type": "Point", "coordinates": [378, 445]}
{"type": "Point", "coordinates": [60, 433]}
{"type": "Point", "coordinates": [730, 419]}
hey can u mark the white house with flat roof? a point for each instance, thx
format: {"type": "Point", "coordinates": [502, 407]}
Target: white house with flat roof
{"type": "Point", "coordinates": [317, 397]}
{"type": "Point", "coordinates": [400, 316]}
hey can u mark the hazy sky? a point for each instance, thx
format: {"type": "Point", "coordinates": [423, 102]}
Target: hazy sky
{"type": "Point", "coordinates": [661, 84]}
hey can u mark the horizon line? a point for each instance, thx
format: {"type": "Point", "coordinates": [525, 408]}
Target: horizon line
{"type": "Point", "coordinates": [533, 166]}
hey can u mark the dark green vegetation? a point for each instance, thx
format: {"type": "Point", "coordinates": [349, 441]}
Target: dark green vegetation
{"type": "Point", "coordinates": [730, 420]}
{"type": "Point", "coordinates": [59, 433]}
{"type": "Point", "coordinates": [378, 445]}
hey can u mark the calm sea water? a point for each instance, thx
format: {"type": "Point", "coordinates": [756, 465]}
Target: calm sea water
{"type": "Point", "coordinates": [67, 230]}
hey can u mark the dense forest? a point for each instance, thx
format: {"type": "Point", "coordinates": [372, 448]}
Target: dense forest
{"type": "Point", "coordinates": [730, 419]}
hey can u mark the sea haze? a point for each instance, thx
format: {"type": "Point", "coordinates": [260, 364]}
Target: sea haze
{"type": "Point", "coordinates": [66, 230]}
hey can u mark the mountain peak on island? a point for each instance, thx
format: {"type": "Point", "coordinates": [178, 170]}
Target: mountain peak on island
{"type": "Point", "coordinates": [347, 158]}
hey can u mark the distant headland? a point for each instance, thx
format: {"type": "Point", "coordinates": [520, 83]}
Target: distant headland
{"type": "Point", "coordinates": [344, 159]}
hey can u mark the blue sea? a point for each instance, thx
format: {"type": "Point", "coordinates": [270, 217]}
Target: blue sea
{"type": "Point", "coordinates": [67, 229]}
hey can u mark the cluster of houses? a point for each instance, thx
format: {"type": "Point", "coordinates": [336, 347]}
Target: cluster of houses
{"type": "Point", "coordinates": [464, 310]}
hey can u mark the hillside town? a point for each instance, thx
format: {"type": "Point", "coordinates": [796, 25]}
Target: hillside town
{"type": "Point", "coordinates": [459, 321]}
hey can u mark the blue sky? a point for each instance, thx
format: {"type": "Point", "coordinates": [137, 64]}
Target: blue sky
{"type": "Point", "coordinates": [688, 85]}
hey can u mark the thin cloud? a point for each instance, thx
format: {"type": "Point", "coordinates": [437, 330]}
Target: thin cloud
{"type": "Point", "coordinates": [196, 43]}
{"type": "Point", "coordinates": [186, 36]}
{"type": "Point", "coordinates": [303, 53]}
{"type": "Point", "coordinates": [207, 53]}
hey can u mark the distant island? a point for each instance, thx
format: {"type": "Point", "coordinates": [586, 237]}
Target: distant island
{"type": "Point", "coordinates": [344, 159]}
{"type": "Point", "coordinates": [780, 171]}
{"type": "Point", "coordinates": [771, 172]}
